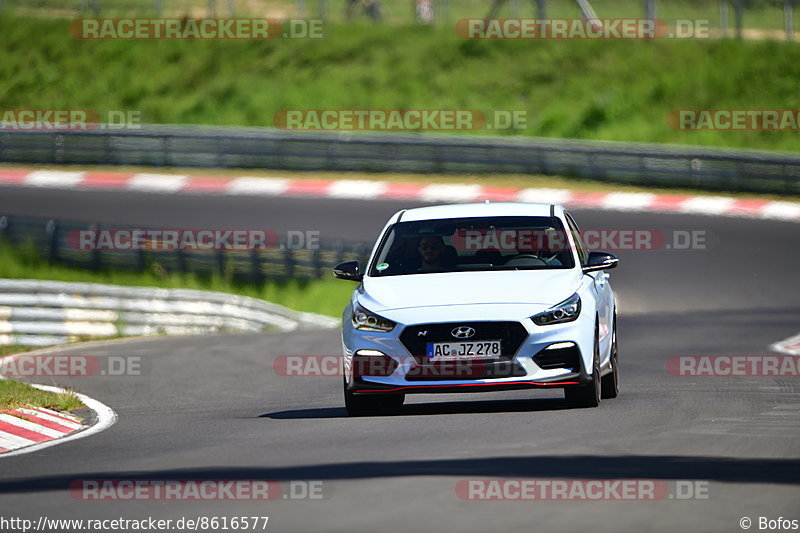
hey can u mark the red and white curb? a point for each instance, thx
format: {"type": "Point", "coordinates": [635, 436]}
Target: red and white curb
{"type": "Point", "coordinates": [790, 345]}
{"type": "Point", "coordinates": [409, 191]}
{"type": "Point", "coordinates": [26, 430]}
{"type": "Point", "coordinates": [27, 426]}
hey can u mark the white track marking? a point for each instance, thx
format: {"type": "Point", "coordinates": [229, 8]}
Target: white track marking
{"type": "Point", "coordinates": [449, 193]}
{"type": "Point", "coordinates": [361, 189]}
{"type": "Point", "coordinates": [53, 179]}
{"type": "Point", "coordinates": [257, 186]}
{"type": "Point", "coordinates": [790, 345]}
{"type": "Point", "coordinates": [707, 205]}
{"type": "Point", "coordinates": [156, 183]}
{"type": "Point", "coordinates": [547, 196]}
{"type": "Point", "coordinates": [634, 201]}
{"type": "Point", "coordinates": [781, 210]}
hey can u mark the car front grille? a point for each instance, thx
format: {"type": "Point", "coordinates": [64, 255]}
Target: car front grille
{"type": "Point", "coordinates": [511, 335]}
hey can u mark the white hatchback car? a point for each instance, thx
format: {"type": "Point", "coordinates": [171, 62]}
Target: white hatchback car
{"type": "Point", "coordinates": [479, 297]}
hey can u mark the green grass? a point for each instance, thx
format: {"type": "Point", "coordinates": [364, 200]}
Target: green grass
{"type": "Point", "coordinates": [8, 350]}
{"type": "Point", "coordinates": [327, 296]}
{"type": "Point", "coordinates": [15, 394]}
{"type": "Point", "coordinates": [615, 90]}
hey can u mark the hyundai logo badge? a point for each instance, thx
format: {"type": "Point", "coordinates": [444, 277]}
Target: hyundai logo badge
{"type": "Point", "coordinates": [462, 332]}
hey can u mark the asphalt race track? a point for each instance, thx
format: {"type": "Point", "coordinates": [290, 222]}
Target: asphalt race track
{"type": "Point", "coordinates": [214, 408]}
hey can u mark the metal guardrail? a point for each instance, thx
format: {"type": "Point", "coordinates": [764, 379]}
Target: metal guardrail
{"type": "Point", "coordinates": [50, 239]}
{"type": "Point", "coordinates": [229, 147]}
{"type": "Point", "coordinates": [45, 313]}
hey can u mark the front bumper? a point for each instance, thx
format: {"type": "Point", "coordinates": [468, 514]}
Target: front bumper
{"type": "Point", "coordinates": [531, 365]}
{"type": "Point", "coordinates": [360, 386]}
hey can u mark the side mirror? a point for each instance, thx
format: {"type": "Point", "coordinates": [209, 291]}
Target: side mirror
{"type": "Point", "coordinates": [348, 270]}
{"type": "Point", "coordinates": [600, 261]}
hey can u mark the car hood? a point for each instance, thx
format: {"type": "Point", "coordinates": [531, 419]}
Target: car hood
{"type": "Point", "coordinates": [544, 287]}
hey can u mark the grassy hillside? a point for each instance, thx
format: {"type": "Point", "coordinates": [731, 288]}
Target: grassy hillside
{"type": "Point", "coordinates": [617, 90]}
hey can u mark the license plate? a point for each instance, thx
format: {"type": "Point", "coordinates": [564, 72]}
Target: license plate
{"type": "Point", "coordinates": [455, 350]}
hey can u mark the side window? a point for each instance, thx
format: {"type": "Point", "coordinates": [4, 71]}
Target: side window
{"type": "Point", "coordinates": [576, 234]}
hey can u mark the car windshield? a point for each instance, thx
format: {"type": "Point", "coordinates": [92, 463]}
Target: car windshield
{"type": "Point", "coordinates": [473, 244]}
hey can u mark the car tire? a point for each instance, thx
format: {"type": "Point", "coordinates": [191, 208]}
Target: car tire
{"type": "Point", "coordinates": [371, 405]}
{"type": "Point", "coordinates": [610, 383]}
{"type": "Point", "coordinates": [588, 395]}
{"type": "Point", "coordinates": [393, 402]}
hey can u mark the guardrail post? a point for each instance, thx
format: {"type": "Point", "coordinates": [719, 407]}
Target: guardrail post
{"type": "Point", "coordinates": [51, 230]}
{"type": "Point", "coordinates": [340, 258]}
{"type": "Point", "coordinates": [94, 254]}
{"type": "Point", "coordinates": [316, 263]}
{"type": "Point", "coordinates": [255, 266]}
{"type": "Point", "coordinates": [180, 260]}
{"type": "Point", "coordinates": [220, 259]}
{"type": "Point", "coordinates": [107, 144]}
{"type": "Point", "coordinates": [222, 145]}
{"type": "Point", "coordinates": [442, 14]}
{"type": "Point", "coordinates": [738, 8]}
{"type": "Point", "coordinates": [438, 165]}
{"type": "Point", "coordinates": [58, 149]}
{"type": "Point", "coordinates": [141, 260]}
{"type": "Point", "coordinates": [649, 9]}
{"type": "Point", "coordinates": [165, 142]}
{"type": "Point", "coordinates": [363, 253]}
{"type": "Point", "coordinates": [541, 9]}
{"type": "Point", "coordinates": [4, 229]}
{"type": "Point", "coordinates": [288, 261]}
{"type": "Point", "coordinates": [723, 17]}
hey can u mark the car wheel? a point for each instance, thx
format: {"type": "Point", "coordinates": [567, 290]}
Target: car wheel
{"type": "Point", "coordinates": [587, 395]}
{"type": "Point", "coordinates": [370, 405]}
{"type": "Point", "coordinates": [610, 382]}
{"type": "Point", "coordinates": [393, 402]}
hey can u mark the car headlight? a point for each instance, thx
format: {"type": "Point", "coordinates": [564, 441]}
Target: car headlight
{"type": "Point", "coordinates": [368, 321]}
{"type": "Point", "coordinates": [566, 311]}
